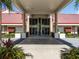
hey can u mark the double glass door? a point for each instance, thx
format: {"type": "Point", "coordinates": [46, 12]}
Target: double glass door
{"type": "Point", "coordinates": [39, 26]}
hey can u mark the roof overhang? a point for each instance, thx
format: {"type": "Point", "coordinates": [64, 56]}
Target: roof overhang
{"type": "Point", "coordinates": [40, 6]}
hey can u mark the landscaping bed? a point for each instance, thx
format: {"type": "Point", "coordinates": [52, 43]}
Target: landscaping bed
{"type": "Point", "coordinates": [71, 54]}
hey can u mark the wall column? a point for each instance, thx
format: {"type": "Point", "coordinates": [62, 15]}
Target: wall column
{"type": "Point", "coordinates": [24, 25]}
{"type": "Point", "coordinates": [76, 30]}
{"type": "Point", "coordinates": [56, 27]}
{"type": "Point", "coordinates": [56, 22]}
{"type": "Point", "coordinates": [24, 22]}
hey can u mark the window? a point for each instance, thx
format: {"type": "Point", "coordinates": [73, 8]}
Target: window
{"type": "Point", "coordinates": [5, 28]}
{"type": "Point", "coordinates": [11, 29]}
{"type": "Point", "coordinates": [67, 29]}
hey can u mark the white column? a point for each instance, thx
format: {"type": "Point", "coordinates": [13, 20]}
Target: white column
{"type": "Point", "coordinates": [51, 23]}
{"type": "Point", "coordinates": [27, 23]}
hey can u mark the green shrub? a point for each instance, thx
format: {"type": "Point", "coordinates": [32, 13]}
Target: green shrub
{"type": "Point", "coordinates": [69, 35]}
{"type": "Point", "coordinates": [10, 51]}
{"type": "Point", "coordinates": [11, 35]}
{"type": "Point", "coordinates": [62, 32]}
{"type": "Point", "coordinates": [72, 54]}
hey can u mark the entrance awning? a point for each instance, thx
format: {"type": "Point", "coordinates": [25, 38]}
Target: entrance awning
{"type": "Point", "coordinates": [40, 6]}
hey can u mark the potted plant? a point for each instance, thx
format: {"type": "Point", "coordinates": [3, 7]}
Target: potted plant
{"type": "Point", "coordinates": [9, 51]}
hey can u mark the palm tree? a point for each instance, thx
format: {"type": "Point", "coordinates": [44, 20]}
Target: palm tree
{"type": "Point", "coordinates": [77, 3]}
{"type": "Point", "coordinates": [8, 4]}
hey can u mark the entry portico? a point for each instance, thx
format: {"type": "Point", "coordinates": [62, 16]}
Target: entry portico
{"type": "Point", "coordinates": [39, 15]}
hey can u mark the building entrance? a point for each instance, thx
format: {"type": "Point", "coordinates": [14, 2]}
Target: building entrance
{"type": "Point", "coordinates": [39, 26]}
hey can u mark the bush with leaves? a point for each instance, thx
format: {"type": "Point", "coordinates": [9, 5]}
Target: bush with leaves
{"type": "Point", "coordinates": [72, 54]}
{"type": "Point", "coordinates": [9, 51]}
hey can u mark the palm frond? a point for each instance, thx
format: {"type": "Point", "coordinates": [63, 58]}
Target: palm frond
{"type": "Point", "coordinates": [8, 4]}
{"type": "Point", "coordinates": [76, 4]}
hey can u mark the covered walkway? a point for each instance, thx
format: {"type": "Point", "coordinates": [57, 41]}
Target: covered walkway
{"type": "Point", "coordinates": [41, 47]}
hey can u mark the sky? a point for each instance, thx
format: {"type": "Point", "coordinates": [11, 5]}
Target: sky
{"type": "Point", "coordinates": [69, 9]}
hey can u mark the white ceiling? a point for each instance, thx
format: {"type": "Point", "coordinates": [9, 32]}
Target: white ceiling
{"type": "Point", "coordinates": [40, 6]}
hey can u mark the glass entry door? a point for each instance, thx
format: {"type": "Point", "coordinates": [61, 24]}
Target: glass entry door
{"type": "Point", "coordinates": [39, 26]}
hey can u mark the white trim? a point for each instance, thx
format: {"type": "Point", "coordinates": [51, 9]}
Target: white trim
{"type": "Point", "coordinates": [51, 26]}
{"type": "Point", "coordinates": [68, 24]}
{"type": "Point", "coordinates": [12, 24]}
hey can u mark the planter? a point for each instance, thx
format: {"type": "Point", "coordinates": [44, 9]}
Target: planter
{"type": "Point", "coordinates": [62, 35]}
{"type": "Point", "coordinates": [17, 35]}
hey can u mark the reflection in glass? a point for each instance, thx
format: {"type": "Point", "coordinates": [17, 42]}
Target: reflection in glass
{"type": "Point", "coordinates": [33, 21]}
{"type": "Point", "coordinates": [33, 31]}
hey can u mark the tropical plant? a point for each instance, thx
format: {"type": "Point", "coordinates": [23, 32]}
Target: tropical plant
{"type": "Point", "coordinates": [8, 35]}
{"type": "Point", "coordinates": [8, 4]}
{"type": "Point", "coordinates": [7, 49]}
{"type": "Point", "coordinates": [10, 51]}
{"type": "Point", "coordinates": [72, 54]}
{"type": "Point", "coordinates": [76, 4]}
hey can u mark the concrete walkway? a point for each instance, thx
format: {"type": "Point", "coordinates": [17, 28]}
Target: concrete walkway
{"type": "Point", "coordinates": [43, 47]}
{"type": "Point", "coordinates": [41, 51]}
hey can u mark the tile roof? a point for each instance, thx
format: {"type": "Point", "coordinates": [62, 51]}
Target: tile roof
{"type": "Point", "coordinates": [68, 18]}
{"type": "Point", "coordinates": [16, 18]}
{"type": "Point", "coordinates": [12, 18]}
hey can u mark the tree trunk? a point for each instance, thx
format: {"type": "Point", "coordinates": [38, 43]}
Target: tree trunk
{"type": "Point", "coordinates": [0, 19]}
